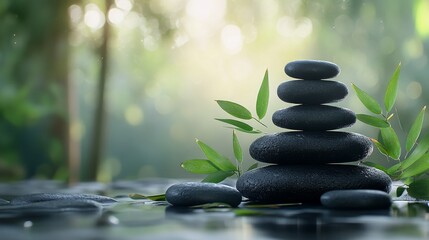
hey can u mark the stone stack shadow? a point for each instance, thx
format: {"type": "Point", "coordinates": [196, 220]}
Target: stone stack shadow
{"type": "Point", "coordinates": [306, 160]}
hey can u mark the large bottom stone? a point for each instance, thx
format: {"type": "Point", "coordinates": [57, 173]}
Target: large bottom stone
{"type": "Point", "coordinates": [301, 147]}
{"type": "Point", "coordinates": [301, 183]}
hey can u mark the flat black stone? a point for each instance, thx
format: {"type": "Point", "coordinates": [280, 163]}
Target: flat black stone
{"type": "Point", "coordinates": [61, 205]}
{"type": "Point", "coordinates": [3, 202]}
{"type": "Point", "coordinates": [197, 193]}
{"type": "Point", "coordinates": [314, 117]}
{"type": "Point", "coordinates": [311, 69]}
{"type": "Point", "coordinates": [301, 183]}
{"type": "Point", "coordinates": [311, 91]}
{"type": "Point", "coordinates": [356, 199]}
{"type": "Point", "coordinates": [306, 147]}
{"type": "Point", "coordinates": [41, 197]}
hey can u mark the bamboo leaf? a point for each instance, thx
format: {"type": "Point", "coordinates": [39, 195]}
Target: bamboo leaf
{"type": "Point", "coordinates": [218, 177]}
{"type": "Point", "coordinates": [419, 189]}
{"type": "Point", "coordinates": [263, 97]}
{"type": "Point", "coordinates": [199, 166]}
{"type": "Point", "coordinates": [237, 148]}
{"type": "Point", "coordinates": [375, 165]}
{"type": "Point", "coordinates": [373, 121]}
{"type": "Point", "coordinates": [246, 131]}
{"type": "Point", "coordinates": [236, 123]}
{"type": "Point", "coordinates": [393, 169]}
{"type": "Point", "coordinates": [415, 130]}
{"type": "Point", "coordinates": [421, 148]}
{"type": "Point", "coordinates": [379, 146]}
{"type": "Point", "coordinates": [392, 89]}
{"type": "Point", "coordinates": [417, 168]}
{"type": "Point", "coordinates": [369, 102]}
{"type": "Point", "coordinates": [235, 109]}
{"type": "Point", "coordinates": [253, 166]}
{"type": "Point", "coordinates": [158, 197]}
{"type": "Point", "coordinates": [217, 159]}
{"type": "Point", "coordinates": [391, 142]}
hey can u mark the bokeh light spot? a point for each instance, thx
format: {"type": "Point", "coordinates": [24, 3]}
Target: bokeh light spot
{"type": "Point", "coordinates": [414, 90]}
{"type": "Point", "coordinates": [133, 115]}
{"type": "Point", "coordinates": [231, 38]}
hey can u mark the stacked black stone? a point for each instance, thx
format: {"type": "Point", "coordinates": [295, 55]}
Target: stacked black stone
{"type": "Point", "coordinates": [304, 159]}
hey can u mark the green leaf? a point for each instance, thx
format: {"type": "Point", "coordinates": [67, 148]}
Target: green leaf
{"type": "Point", "coordinates": [400, 190]}
{"type": "Point", "coordinates": [393, 169]}
{"type": "Point", "coordinates": [236, 123]}
{"type": "Point", "coordinates": [263, 97]}
{"type": "Point", "coordinates": [237, 148]}
{"type": "Point", "coordinates": [375, 165]}
{"type": "Point", "coordinates": [419, 189]}
{"type": "Point", "coordinates": [212, 205]}
{"type": "Point", "coordinates": [379, 146]}
{"type": "Point", "coordinates": [199, 166]}
{"type": "Point", "coordinates": [246, 131]}
{"type": "Point", "coordinates": [391, 142]}
{"type": "Point", "coordinates": [241, 212]}
{"type": "Point", "coordinates": [422, 148]}
{"type": "Point", "coordinates": [217, 159]}
{"type": "Point", "coordinates": [235, 109]}
{"type": "Point", "coordinates": [415, 130]}
{"type": "Point", "coordinates": [373, 121]}
{"type": "Point", "coordinates": [253, 166]}
{"type": "Point", "coordinates": [417, 168]}
{"type": "Point", "coordinates": [392, 89]}
{"type": "Point", "coordinates": [158, 197]}
{"type": "Point", "coordinates": [369, 102]}
{"type": "Point", "coordinates": [217, 177]}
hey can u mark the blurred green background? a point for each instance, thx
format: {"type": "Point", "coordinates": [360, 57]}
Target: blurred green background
{"type": "Point", "coordinates": [160, 64]}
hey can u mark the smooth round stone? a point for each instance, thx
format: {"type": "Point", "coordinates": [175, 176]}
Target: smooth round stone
{"type": "Point", "coordinates": [41, 197]}
{"type": "Point", "coordinates": [356, 199]}
{"type": "Point", "coordinates": [306, 183]}
{"type": "Point", "coordinates": [304, 147]}
{"type": "Point", "coordinates": [197, 193]}
{"type": "Point", "coordinates": [311, 91]}
{"type": "Point", "coordinates": [314, 117]}
{"type": "Point", "coordinates": [312, 69]}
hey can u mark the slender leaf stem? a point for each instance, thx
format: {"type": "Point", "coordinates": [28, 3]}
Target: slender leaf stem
{"type": "Point", "coordinates": [259, 122]}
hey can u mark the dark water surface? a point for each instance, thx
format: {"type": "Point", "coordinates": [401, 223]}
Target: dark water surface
{"type": "Point", "coordinates": [144, 219]}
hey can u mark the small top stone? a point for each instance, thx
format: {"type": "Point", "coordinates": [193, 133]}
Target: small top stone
{"type": "Point", "coordinates": [311, 69]}
{"type": "Point", "coordinates": [197, 193]}
{"type": "Point", "coordinates": [356, 199]}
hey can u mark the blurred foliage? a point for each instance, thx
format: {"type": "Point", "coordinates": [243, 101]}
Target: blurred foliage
{"type": "Point", "coordinates": [171, 58]}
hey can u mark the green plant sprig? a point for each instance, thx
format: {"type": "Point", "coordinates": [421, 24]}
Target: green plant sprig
{"type": "Point", "coordinates": [217, 166]}
{"type": "Point", "coordinates": [413, 166]}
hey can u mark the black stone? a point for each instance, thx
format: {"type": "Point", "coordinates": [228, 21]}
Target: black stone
{"type": "Point", "coordinates": [304, 147]}
{"type": "Point", "coordinates": [3, 202]}
{"type": "Point", "coordinates": [41, 197]}
{"type": "Point", "coordinates": [60, 205]}
{"type": "Point", "coordinates": [197, 193]}
{"type": "Point", "coordinates": [311, 91]}
{"type": "Point", "coordinates": [356, 199]}
{"type": "Point", "coordinates": [314, 117]}
{"type": "Point", "coordinates": [311, 69]}
{"type": "Point", "coordinates": [301, 183]}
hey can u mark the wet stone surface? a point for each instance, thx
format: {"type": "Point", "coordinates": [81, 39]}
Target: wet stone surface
{"type": "Point", "coordinates": [197, 193]}
{"type": "Point", "coordinates": [356, 199]}
{"type": "Point", "coordinates": [144, 219]}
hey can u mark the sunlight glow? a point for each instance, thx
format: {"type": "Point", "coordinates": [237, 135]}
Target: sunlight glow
{"type": "Point", "coordinates": [94, 18]}
{"type": "Point", "coordinates": [291, 28]}
{"type": "Point", "coordinates": [116, 16]}
{"type": "Point", "coordinates": [231, 38]}
{"type": "Point", "coordinates": [126, 5]}
{"type": "Point", "coordinates": [204, 17]}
